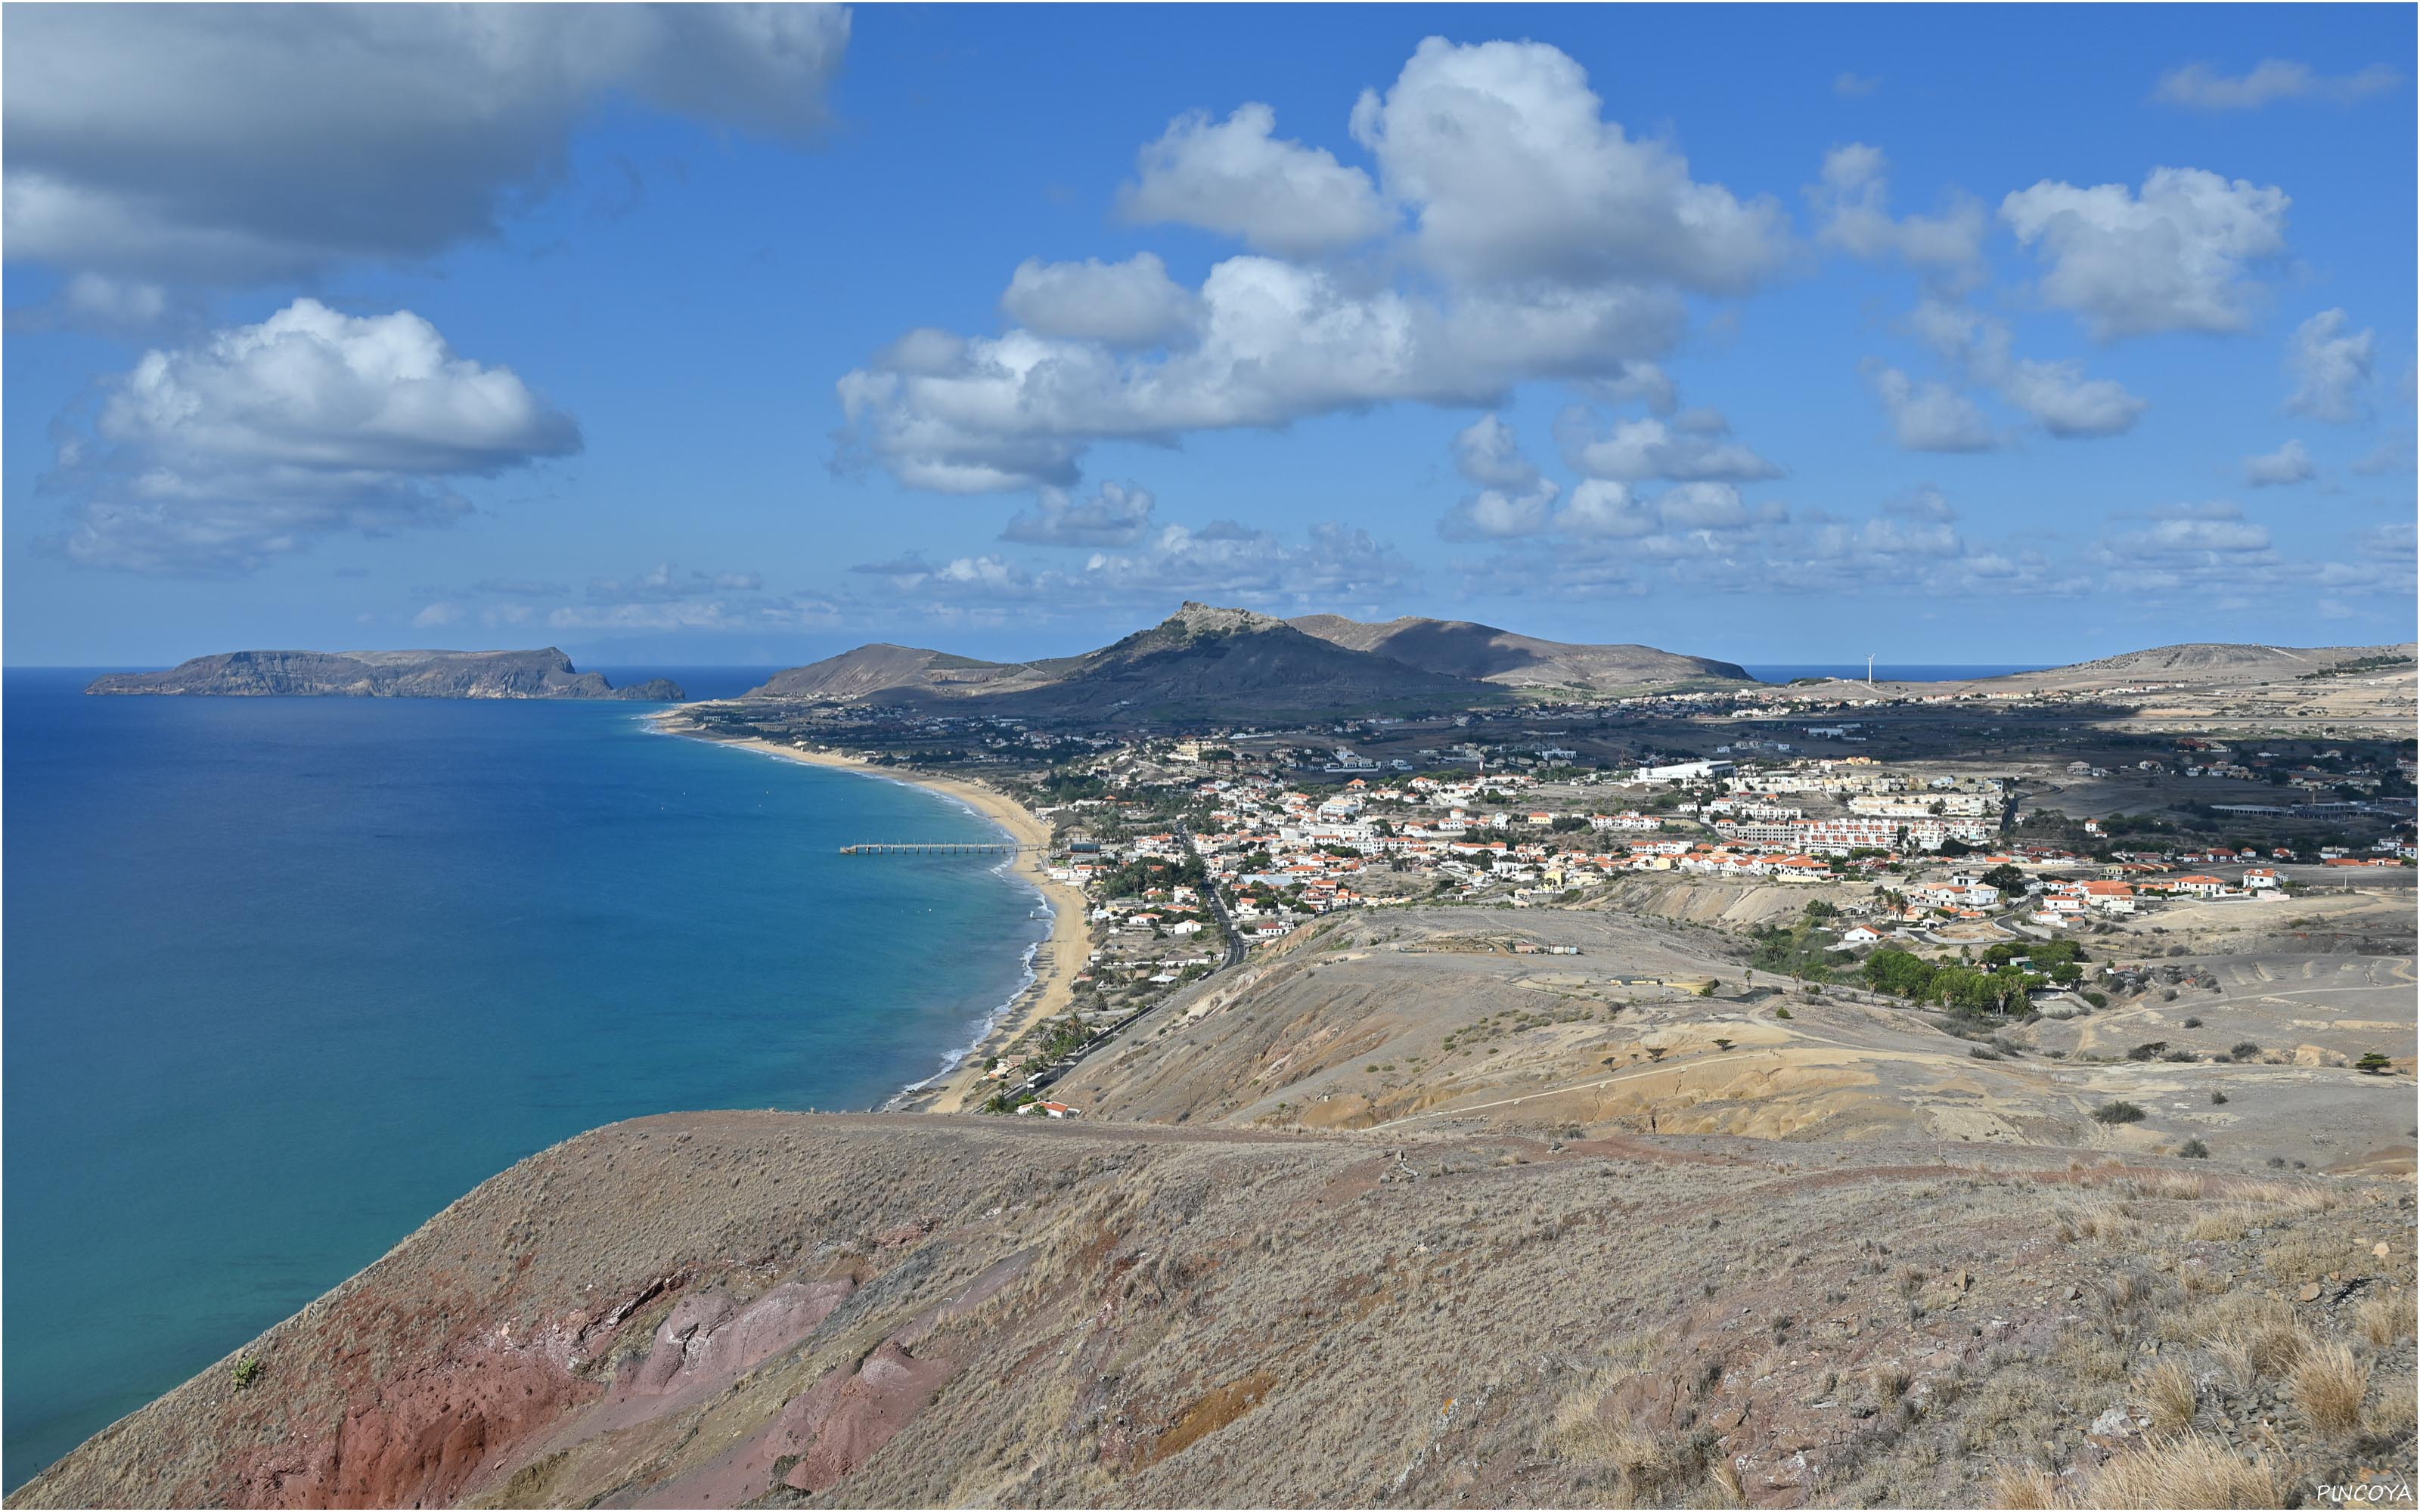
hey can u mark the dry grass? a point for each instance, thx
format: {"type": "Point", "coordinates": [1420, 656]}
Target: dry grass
{"type": "Point", "coordinates": [2171, 1397]}
{"type": "Point", "coordinates": [2312, 1256]}
{"type": "Point", "coordinates": [2030, 1489]}
{"type": "Point", "coordinates": [2383, 1318]}
{"type": "Point", "coordinates": [2397, 1414]}
{"type": "Point", "coordinates": [2172, 1188]}
{"type": "Point", "coordinates": [1653, 1469]}
{"type": "Point", "coordinates": [2201, 1281]}
{"type": "Point", "coordinates": [2289, 1197]}
{"type": "Point", "coordinates": [1650, 1468]}
{"type": "Point", "coordinates": [2226, 1224]}
{"type": "Point", "coordinates": [2190, 1471]}
{"type": "Point", "coordinates": [1889, 1383]}
{"type": "Point", "coordinates": [2125, 1290]}
{"type": "Point", "coordinates": [2108, 1222]}
{"type": "Point", "coordinates": [2328, 1384]}
{"type": "Point", "coordinates": [2255, 1336]}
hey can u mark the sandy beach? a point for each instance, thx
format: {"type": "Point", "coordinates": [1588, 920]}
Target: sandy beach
{"type": "Point", "coordinates": [1056, 964]}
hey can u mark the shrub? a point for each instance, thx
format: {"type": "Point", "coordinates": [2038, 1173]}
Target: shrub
{"type": "Point", "coordinates": [1782, 1013]}
{"type": "Point", "coordinates": [2181, 1056]}
{"type": "Point", "coordinates": [2328, 1384]}
{"type": "Point", "coordinates": [2193, 1024]}
{"type": "Point", "coordinates": [248, 1369]}
{"type": "Point", "coordinates": [2096, 999]}
{"type": "Point", "coordinates": [2372, 1063]}
{"type": "Point", "coordinates": [2118, 1111]}
{"type": "Point", "coordinates": [2218, 1097]}
{"type": "Point", "coordinates": [2146, 1052]}
{"type": "Point", "coordinates": [2244, 1050]}
{"type": "Point", "coordinates": [2193, 1149]}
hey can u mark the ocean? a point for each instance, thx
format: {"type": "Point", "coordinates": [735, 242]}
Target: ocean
{"type": "Point", "coordinates": [1884, 673]}
{"type": "Point", "coordinates": [284, 976]}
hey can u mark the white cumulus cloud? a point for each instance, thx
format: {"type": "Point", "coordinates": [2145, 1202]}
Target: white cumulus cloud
{"type": "Point", "coordinates": [1514, 497]}
{"type": "Point", "coordinates": [1927, 416]}
{"type": "Point", "coordinates": [1545, 244]}
{"type": "Point", "coordinates": [1513, 172]}
{"type": "Point", "coordinates": [2288, 463]}
{"type": "Point", "coordinates": [2332, 368]}
{"type": "Point", "coordinates": [2057, 395]}
{"type": "Point", "coordinates": [2067, 403]}
{"type": "Point", "coordinates": [1238, 178]}
{"type": "Point", "coordinates": [1132, 303]}
{"type": "Point", "coordinates": [1278, 342]}
{"type": "Point", "coordinates": [1853, 203]}
{"type": "Point", "coordinates": [1116, 515]}
{"type": "Point", "coordinates": [241, 142]}
{"type": "Point", "coordinates": [1695, 447]}
{"type": "Point", "coordinates": [2177, 256]}
{"type": "Point", "coordinates": [262, 438]}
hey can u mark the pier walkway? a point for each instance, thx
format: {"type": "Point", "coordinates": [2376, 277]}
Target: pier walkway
{"type": "Point", "coordinates": [940, 847]}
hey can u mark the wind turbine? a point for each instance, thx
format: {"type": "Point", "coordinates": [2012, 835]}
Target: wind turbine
{"type": "Point", "coordinates": [1869, 671]}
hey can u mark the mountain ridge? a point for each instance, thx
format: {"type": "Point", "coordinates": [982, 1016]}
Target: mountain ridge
{"type": "Point", "coordinates": [1230, 657]}
{"type": "Point", "coordinates": [1490, 654]}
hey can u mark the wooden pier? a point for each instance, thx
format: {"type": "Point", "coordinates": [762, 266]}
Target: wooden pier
{"type": "Point", "coordinates": [942, 847]}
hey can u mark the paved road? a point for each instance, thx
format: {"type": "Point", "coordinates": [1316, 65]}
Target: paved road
{"type": "Point", "coordinates": [1234, 957]}
{"type": "Point", "coordinates": [1217, 906]}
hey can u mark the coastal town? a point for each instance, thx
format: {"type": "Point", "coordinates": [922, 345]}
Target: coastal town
{"type": "Point", "coordinates": [1862, 825]}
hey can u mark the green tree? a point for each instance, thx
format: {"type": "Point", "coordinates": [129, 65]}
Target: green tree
{"type": "Point", "coordinates": [1900, 972]}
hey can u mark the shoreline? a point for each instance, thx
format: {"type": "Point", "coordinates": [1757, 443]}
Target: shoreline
{"type": "Point", "coordinates": [1055, 960]}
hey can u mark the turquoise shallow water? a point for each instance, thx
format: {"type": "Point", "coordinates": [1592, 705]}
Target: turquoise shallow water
{"type": "Point", "coordinates": [285, 976]}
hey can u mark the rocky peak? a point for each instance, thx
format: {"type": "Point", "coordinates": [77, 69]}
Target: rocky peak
{"type": "Point", "coordinates": [1195, 619]}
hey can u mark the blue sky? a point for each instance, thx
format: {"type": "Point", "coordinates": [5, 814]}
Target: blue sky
{"type": "Point", "coordinates": [714, 334]}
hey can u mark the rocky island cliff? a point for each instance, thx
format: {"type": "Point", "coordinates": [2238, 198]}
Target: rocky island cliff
{"type": "Point", "coordinates": [546, 674]}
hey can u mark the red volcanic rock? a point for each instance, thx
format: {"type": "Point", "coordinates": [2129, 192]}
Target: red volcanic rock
{"type": "Point", "coordinates": [841, 1430]}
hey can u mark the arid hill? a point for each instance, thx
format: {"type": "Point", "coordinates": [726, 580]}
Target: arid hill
{"type": "Point", "coordinates": [425, 674]}
{"type": "Point", "coordinates": [784, 1309]}
{"type": "Point", "coordinates": [2200, 666]}
{"type": "Point", "coordinates": [1459, 648]}
{"type": "Point", "coordinates": [872, 671]}
{"type": "Point", "coordinates": [2207, 660]}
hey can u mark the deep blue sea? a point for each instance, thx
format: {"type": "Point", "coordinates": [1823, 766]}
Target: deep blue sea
{"type": "Point", "coordinates": [285, 976]}
{"type": "Point", "coordinates": [1884, 673]}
